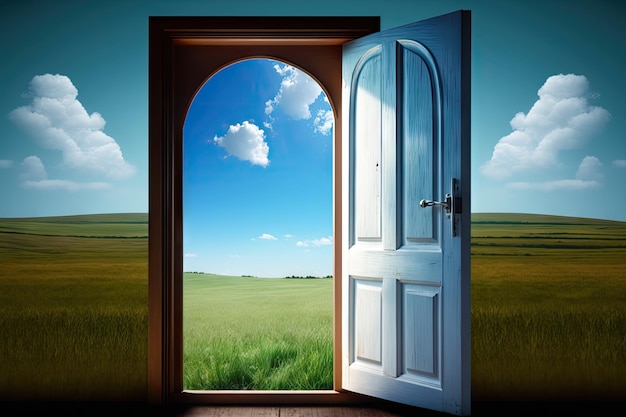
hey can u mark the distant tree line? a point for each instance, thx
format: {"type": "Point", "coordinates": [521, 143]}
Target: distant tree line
{"type": "Point", "coordinates": [308, 277]}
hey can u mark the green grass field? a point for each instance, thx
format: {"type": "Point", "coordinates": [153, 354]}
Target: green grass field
{"type": "Point", "coordinates": [548, 307]}
{"type": "Point", "coordinates": [257, 333]}
{"type": "Point", "coordinates": [74, 307]}
{"type": "Point", "coordinates": [548, 313]}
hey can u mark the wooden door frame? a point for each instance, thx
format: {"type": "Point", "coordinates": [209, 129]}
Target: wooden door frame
{"type": "Point", "coordinates": [183, 53]}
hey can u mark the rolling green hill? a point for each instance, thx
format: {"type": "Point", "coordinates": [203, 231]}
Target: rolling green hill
{"type": "Point", "coordinates": [530, 234]}
{"type": "Point", "coordinates": [525, 218]}
{"type": "Point", "coordinates": [88, 225]}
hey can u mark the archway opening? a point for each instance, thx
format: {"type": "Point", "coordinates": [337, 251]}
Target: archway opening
{"type": "Point", "coordinates": [258, 231]}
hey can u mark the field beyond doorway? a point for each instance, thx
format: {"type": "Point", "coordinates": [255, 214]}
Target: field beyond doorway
{"type": "Point", "coordinates": [247, 333]}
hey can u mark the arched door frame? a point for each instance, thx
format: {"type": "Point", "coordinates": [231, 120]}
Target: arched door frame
{"type": "Point", "coordinates": [183, 53]}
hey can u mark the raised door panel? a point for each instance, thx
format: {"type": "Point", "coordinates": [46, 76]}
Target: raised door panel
{"type": "Point", "coordinates": [366, 119]}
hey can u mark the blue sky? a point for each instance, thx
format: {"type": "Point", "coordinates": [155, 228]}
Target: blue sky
{"type": "Point", "coordinates": [257, 177]}
{"type": "Point", "coordinates": [548, 116]}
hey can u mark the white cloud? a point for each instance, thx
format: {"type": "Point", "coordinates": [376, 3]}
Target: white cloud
{"type": "Point", "coordinates": [34, 176]}
{"type": "Point", "coordinates": [247, 142]}
{"type": "Point", "coordinates": [297, 92]}
{"type": "Point", "coordinates": [590, 169]}
{"type": "Point", "coordinates": [571, 184]}
{"type": "Point", "coordinates": [5, 163]}
{"type": "Point", "coordinates": [58, 121]}
{"type": "Point", "coordinates": [324, 241]}
{"type": "Point", "coordinates": [267, 236]}
{"type": "Point", "coordinates": [51, 185]}
{"type": "Point", "coordinates": [33, 169]}
{"type": "Point", "coordinates": [190, 255]}
{"type": "Point", "coordinates": [562, 119]}
{"type": "Point", "coordinates": [588, 176]}
{"type": "Point", "coordinates": [619, 163]}
{"type": "Point", "coordinates": [324, 121]}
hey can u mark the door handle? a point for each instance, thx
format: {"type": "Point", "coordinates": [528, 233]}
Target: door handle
{"type": "Point", "coordinates": [445, 204]}
{"type": "Point", "coordinates": [452, 204]}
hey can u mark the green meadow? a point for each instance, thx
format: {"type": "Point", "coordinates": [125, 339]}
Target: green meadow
{"type": "Point", "coordinates": [74, 307]}
{"type": "Point", "coordinates": [548, 307]}
{"type": "Point", "coordinates": [548, 313]}
{"type": "Point", "coordinates": [257, 333]}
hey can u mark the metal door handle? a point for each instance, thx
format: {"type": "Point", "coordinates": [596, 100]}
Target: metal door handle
{"type": "Point", "coordinates": [453, 205]}
{"type": "Point", "coordinates": [444, 204]}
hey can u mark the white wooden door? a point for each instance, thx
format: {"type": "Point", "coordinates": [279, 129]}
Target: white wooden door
{"type": "Point", "coordinates": [405, 268]}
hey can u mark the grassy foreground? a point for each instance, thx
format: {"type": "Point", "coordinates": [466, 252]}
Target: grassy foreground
{"type": "Point", "coordinates": [548, 308]}
{"type": "Point", "coordinates": [74, 308]}
{"type": "Point", "coordinates": [548, 313]}
{"type": "Point", "coordinates": [257, 333]}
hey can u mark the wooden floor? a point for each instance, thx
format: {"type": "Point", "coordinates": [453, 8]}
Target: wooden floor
{"type": "Point", "coordinates": [282, 411]}
{"type": "Point", "coordinates": [503, 409]}
{"type": "Point", "coordinates": [65, 409]}
{"type": "Point", "coordinates": [380, 410]}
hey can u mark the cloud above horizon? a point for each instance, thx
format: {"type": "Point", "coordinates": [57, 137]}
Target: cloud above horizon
{"type": "Point", "coordinates": [589, 175]}
{"type": "Point", "coordinates": [560, 120]}
{"type": "Point", "coordinates": [295, 96]}
{"type": "Point", "coordinates": [324, 241]}
{"type": "Point", "coordinates": [34, 176]}
{"type": "Point", "coordinates": [296, 93]}
{"type": "Point", "coordinates": [57, 120]}
{"type": "Point", "coordinates": [324, 121]}
{"type": "Point", "coordinates": [267, 236]}
{"type": "Point", "coordinates": [245, 141]}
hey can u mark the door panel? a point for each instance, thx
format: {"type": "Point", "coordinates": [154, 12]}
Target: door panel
{"type": "Point", "coordinates": [368, 326]}
{"type": "Point", "coordinates": [405, 265]}
{"type": "Point", "coordinates": [367, 123]}
{"type": "Point", "coordinates": [420, 333]}
{"type": "Point", "coordinates": [421, 120]}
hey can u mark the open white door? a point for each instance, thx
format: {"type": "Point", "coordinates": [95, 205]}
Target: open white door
{"type": "Point", "coordinates": [405, 262]}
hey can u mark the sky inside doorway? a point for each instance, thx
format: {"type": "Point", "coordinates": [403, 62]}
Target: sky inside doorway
{"type": "Point", "coordinates": [257, 176]}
